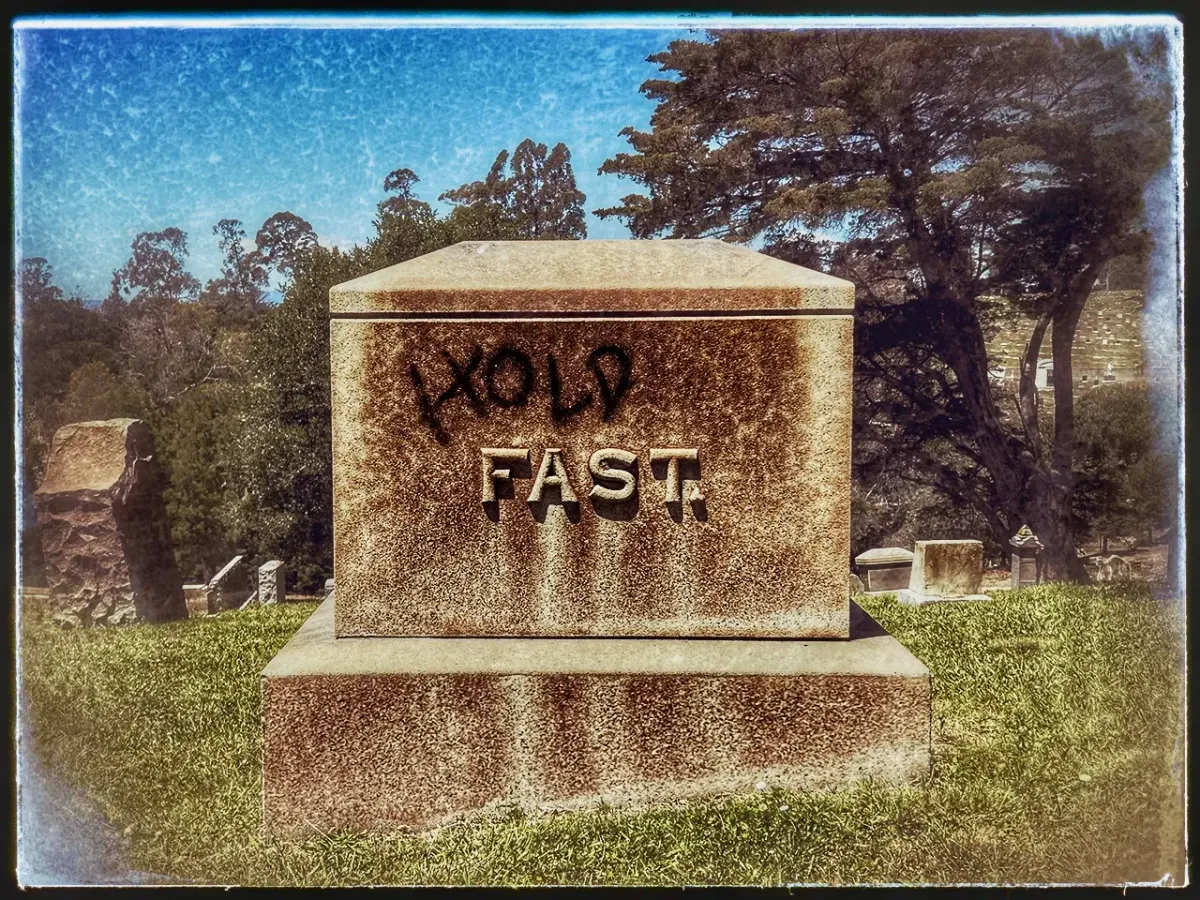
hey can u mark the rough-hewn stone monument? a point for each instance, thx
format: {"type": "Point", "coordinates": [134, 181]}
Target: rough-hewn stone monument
{"type": "Point", "coordinates": [103, 528]}
{"type": "Point", "coordinates": [575, 485]}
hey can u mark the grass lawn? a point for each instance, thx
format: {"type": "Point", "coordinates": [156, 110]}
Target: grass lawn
{"type": "Point", "coordinates": [1058, 757]}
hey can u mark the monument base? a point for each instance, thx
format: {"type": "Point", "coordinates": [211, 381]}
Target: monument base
{"type": "Point", "coordinates": [374, 733]}
{"type": "Point", "coordinates": [912, 598]}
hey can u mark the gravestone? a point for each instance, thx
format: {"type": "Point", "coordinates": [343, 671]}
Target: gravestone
{"type": "Point", "coordinates": [944, 570]}
{"type": "Point", "coordinates": [576, 484]}
{"type": "Point", "coordinates": [271, 583]}
{"type": "Point", "coordinates": [103, 528]}
{"type": "Point", "coordinates": [1025, 560]}
{"type": "Point", "coordinates": [885, 569]}
{"type": "Point", "coordinates": [230, 587]}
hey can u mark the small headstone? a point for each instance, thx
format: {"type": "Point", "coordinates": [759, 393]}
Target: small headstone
{"type": "Point", "coordinates": [229, 588]}
{"type": "Point", "coordinates": [328, 587]}
{"type": "Point", "coordinates": [196, 597]}
{"type": "Point", "coordinates": [945, 570]}
{"type": "Point", "coordinates": [103, 527]}
{"type": "Point", "coordinates": [1025, 560]}
{"type": "Point", "coordinates": [856, 585]}
{"type": "Point", "coordinates": [885, 569]}
{"type": "Point", "coordinates": [271, 582]}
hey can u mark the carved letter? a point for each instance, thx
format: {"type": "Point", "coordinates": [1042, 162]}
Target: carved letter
{"type": "Point", "coordinates": [598, 466]}
{"type": "Point", "coordinates": [491, 473]}
{"type": "Point", "coordinates": [552, 459]}
{"type": "Point", "coordinates": [672, 458]}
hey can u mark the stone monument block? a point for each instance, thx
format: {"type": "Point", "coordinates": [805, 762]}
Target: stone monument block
{"type": "Point", "coordinates": [103, 528]}
{"type": "Point", "coordinates": [885, 569]}
{"type": "Point", "coordinates": [945, 570]}
{"type": "Point", "coordinates": [230, 587]}
{"type": "Point", "coordinates": [272, 585]}
{"type": "Point", "coordinates": [648, 461]}
{"type": "Point", "coordinates": [575, 485]}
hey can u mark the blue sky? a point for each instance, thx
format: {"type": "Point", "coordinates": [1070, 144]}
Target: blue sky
{"type": "Point", "coordinates": [132, 129]}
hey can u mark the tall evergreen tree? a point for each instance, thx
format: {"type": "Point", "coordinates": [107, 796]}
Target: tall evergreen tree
{"type": "Point", "coordinates": [957, 165]}
{"type": "Point", "coordinates": [540, 194]}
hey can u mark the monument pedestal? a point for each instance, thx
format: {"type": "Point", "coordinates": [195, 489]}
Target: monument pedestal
{"type": "Point", "coordinates": [377, 733]}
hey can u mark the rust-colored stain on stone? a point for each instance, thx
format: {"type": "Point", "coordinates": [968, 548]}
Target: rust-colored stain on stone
{"type": "Point", "coordinates": [575, 485]}
{"type": "Point", "coordinates": [417, 743]}
{"type": "Point", "coordinates": [762, 400]}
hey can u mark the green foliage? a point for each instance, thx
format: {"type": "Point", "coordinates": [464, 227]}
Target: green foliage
{"type": "Point", "coordinates": [279, 460]}
{"type": "Point", "coordinates": [960, 165]}
{"type": "Point", "coordinates": [238, 295]}
{"type": "Point", "coordinates": [539, 196]}
{"type": "Point", "coordinates": [1058, 733]}
{"type": "Point", "coordinates": [1124, 482]}
{"type": "Point", "coordinates": [282, 241]}
{"type": "Point", "coordinates": [195, 445]}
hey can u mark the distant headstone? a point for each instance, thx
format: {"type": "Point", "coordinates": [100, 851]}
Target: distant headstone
{"type": "Point", "coordinates": [1110, 568]}
{"type": "Point", "coordinates": [856, 585]}
{"type": "Point", "coordinates": [103, 528]}
{"type": "Point", "coordinates": [1026, 568]}
{"type": "Point", "coordinates": [271, 583]}
{"type": "Point", "coordinates": [196, 597]}
{"type": "Point", "coordinates": [885, 569]}
{"type": "Point", "coordinates": [328, 586]}
{"type": "Point", "coordinates": [944, 570]}
{"type": "Point", "coordinates": [230, 587]}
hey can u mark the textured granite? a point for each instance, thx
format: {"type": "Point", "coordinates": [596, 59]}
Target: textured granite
{"type": "Point", "coordinates": [376, 733]}
{"type": "Point", "coordinates": [617, 277]}
{"type": "Point", "coordinates": [103, 527]}
{"type": "Point", "coordinates": [764, 402]}
{"type": "Point", "coordinates": [947, 568]}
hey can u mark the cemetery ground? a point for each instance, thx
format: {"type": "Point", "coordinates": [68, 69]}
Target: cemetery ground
{"type": "Point", "coordinates": [1057, 740]}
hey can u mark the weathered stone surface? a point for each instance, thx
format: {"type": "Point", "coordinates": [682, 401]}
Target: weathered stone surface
{"type": "Point", "coordinates": [271, 583]}
{"type": "Point", "coordinates": [911, 598]}
{"type": "Point", "coordinates": [373, 733]}
{"type": "Point", "coordinates": [947, 568]}
{"type": "Point", "coordinates": [686, 276]}
{"type": "Point", "coordinates": [623, 455]}
{"type": "Point", "coordinates": [885, 568]}
{"type": "Point", "coordinates": [230, 587]}
{"type": "Point", "coordinates": [748, 537]}
{"type": "Point", "coordinates": [103, 528]}
{"type": "Point", "coordinates": [1026, 568]}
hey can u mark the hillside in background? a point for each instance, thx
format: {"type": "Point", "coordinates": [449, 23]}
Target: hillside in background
{"type": "Point", "coordinates": [1110, 331]}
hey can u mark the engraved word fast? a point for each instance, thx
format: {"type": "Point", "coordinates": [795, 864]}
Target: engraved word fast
{"type": "Point", "coordinates": [613, 473]}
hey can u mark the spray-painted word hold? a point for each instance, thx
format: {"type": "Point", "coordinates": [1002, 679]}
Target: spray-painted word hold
{"type": "Point", "coordinates": [507, 377]}
{"type": "Point", "coordinates": [613, 473]}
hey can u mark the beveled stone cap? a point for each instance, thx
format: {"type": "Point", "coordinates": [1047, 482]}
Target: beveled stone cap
{"type": "Point", "coordinates": [581, 277]}
{"type": "Point", "coordinates": [880, 555]}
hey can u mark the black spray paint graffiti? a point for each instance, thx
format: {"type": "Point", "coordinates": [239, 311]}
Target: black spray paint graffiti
{"type": "Point", "coordinates": [510, 378]}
